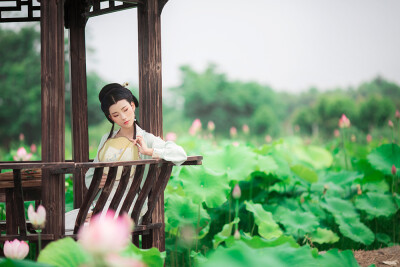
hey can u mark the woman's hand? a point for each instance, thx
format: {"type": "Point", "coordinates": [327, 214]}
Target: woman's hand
{"type": "Point", "coordinates": [142, 146]}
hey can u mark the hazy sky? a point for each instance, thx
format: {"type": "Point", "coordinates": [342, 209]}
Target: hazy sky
{"type": "Point", "coordinates": [290, 45]}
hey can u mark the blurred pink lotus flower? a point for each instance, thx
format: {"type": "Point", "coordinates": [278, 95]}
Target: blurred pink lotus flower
{"type": "Point", "coordinates": [115, 260]}
{"type": "Point", "coordinates": [16, 249]}
{"type": "Point", "coordinates": [236, 235]}
{"type": "Point", "coordinates": [233, 132]}
{"type": "Point", "coordinates": [390, 123]}
{"type": "Point", "coordinates": [22, 155]}
{"type": "Point", "coordinates": [344, 122]}
{"type": "Point", "coordinates": [397, 114]}
{"type": "Point", "coordinates": [369, 138]}
{"type": "Point", "coordinates": [235, 143]}
{"type": "Point", "coordinates": [353, 138]}
{"type": "Point", "coordinates": [246, 129]}
{"type": "Point", "coordinates": [33, 148]}
{"type": "Point", "coordinates": [211, 126]}
{"type": "Point", "coordinates": [268, 138]}
{"type": "Point", "coordinates": [21, 137]}
{"type": "Point", "coordinates": [188, 234]}
{"type": "Point", "coordinates": [106, 235]}
{"type": "Point", "coordinates": [170, 136]}
{"type": "Point", "coordinates": [196, 126]}
{"type": "Point", "coordinates": [236, 192]}
{"type": "Point", "coordinates": [38, 218]}
{"type": "Point", "coordinates": [336, 133]}
{"type": "Point", "coordinates": [394, 170]}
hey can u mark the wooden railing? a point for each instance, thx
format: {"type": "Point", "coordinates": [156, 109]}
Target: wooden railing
{"type": "Point", "coordinates": [20, 188]}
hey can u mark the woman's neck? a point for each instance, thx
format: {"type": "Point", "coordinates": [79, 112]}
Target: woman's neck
{"type": "Point", "coordinates": [126, 132]}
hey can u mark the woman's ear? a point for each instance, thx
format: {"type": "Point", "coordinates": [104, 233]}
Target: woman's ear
{"type": "Point", "coordinates": [133, 105]}
{"type": "Point", "coordinates": [111, 118]}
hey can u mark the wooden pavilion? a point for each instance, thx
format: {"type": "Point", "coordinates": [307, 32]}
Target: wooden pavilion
{"type": "Point", "coordinates": [54, 15]}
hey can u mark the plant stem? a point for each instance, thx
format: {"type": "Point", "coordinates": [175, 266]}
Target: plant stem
{"type": "Point", "coordinates": [344, 149]}
{"type": "Point", "coordinates": [197, 227]}
{"type": "Point", "coordinates": [40, 239]}
{"type": "Point", "coordinates": [237, 214]}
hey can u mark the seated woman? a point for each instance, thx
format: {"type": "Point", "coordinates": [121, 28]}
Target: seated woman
{"type": "Point", "coordinates": [128, 143]}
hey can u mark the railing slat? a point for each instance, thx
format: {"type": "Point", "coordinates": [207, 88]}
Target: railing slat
{"type": "Point", "coordinates": [123, 183]}
{"type": "Point", "coordinates": [108, 186]}
{"type": "Point", "coordinates": [134, 189]}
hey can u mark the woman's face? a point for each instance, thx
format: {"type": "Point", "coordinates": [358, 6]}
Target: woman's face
{"type": "Point", "coordinates": [123, 113]}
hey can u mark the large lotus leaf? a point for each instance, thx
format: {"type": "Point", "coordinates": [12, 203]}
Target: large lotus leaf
{"type": "Point", "coordinates": [225, 233]}
{"type": "Point", "coordinates": [259, 242]}
{"type": "Point", "coordinates": [283, 170]}
{"type": "Point", "coordinates": [236, 161]}
{"type": "Point", "coordinates": [324, 236]}
{"type": "Point", "coordinates": [202, 185]}
{"type": "Point", "coordinates": [63, 253]}
{"type": "Point", "coordinates": [383, 158]}
{"type": "Point", "coordinates": [267, 227]}
{"type": "Point", "coordinates": [342, 178]}
{"type": "Point", "coordinates": [352, 228]}
{"type": "Point", "coordinates": [333, 190]}
{"type": "Point", "coordinates": [305, 173]}
{"type": "Point", "coordinates": [376, 204]}
{"type": "Point", "coordinates": [383, 238]}
{"type": "Point", "coordinates": [314, 207]}
{"type": "Point", "coordinates": [7, 262]}
{"type": "Point", "coordinates": [339, 207]}
{"type": "Point", "coordinates": [298, 223]}
{"type": "Point", "coordinates": [267, 164]}
{"type": "Point", "coordinates": [313, 155]}
{"type": "Point", "coordinates": [334, 258]}
{"type": "Point", "coordinates": [396, 198]}
{"type": "Point", "coordinates": [151, 257]}
{"type": "Point", "coordinates": [376, 186]}
{"type": "Point", "coordinates": [180, 211]}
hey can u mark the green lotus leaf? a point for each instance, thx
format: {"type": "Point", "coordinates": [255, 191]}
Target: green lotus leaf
{"type": "Point", "coordinates": [259, 242]}
{"type": "Point", "coordinates": [7, 262]}
{"type": "Point", "coordinates": [225, 233]}
{"type": "Point", "coordinates": [180, 211]}
{"type": "Point", "coordinates": [376, 186]}
{"type": "Point", "coordinates": [315, 208]}
{"type": "Point", "coordinates": [383, 158]}
{"type": "Point", "coordinates": [376, 204]}
{"type": "Point", "coordinates": [339, 207]}
{"type": "Point", "coordinates": [267, 164]}
{"type": "Point", "coordinates": [298, 223]}
{"type": "Point", "coordinates": [342, 178]}
{"type": "Point", "coordinates": [315, 156]}
{"type": "Point", "coordinates": [237, 162]}
{"type": "Point", "coordinates": [151, 257]}
{"type": "Point", "coordinates": [305, 173]}
{"type": "Point", "coordinates": [352, 228]}
{"type": "Point", "coordinates": [324, 236]}
{"type": "Point", "coordinates": [63, 253]}
{"type": "Point", "coordinates": [203, 185]}
{"type": "Point", "coordinates": [396, 198]}
{"type": "Point", "coordinates": [383, 238]}
{"type": "Point", "coordinates": [267, 227]}
{"type": "Point", "coordinates": [283, 170]}
{"type": "Point", "coordinates": [334, 258]}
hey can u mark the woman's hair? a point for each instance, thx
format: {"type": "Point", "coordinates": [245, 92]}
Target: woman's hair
{"type": "Point", "coordinates": [110, 95]}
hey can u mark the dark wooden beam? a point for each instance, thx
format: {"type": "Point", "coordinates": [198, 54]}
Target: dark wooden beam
{"type": "Point", "coordinates": [53, 110]}
{"type": "Point", "coordinates": [77, 71]}
{"type": "Point", "coordinates": [150, 92]}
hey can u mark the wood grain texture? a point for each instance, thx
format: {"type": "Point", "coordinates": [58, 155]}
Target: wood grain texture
{"type": "Point", "coordinates": [19, 203]}
{"type": "Point", "coordinates": [105, 193]}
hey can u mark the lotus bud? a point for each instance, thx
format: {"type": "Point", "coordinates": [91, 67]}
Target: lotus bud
{"type": "Point", "coordinates": [235, 143]}
{"type": "Point", "coordinates": [369, 138]}
{"type": "Point", "coordinates": [344, 122]}
{"type": "Point", "coordinates": [38, 218]}
{"type": "Point", "coordinates": [302, 199]}
{"type": "Point", "coordinates": [246, 129]}
{"type": "Point", "coordinates": [236, 235]}
{"type": "Point", "coordinates": [16, 249]}
{"type": "Point", "coordinates": [326, 187]}
{"type": "Point", "coordinates": [211, 126]}
{"type": "Point", "coordinates": [236, 193]}
{"type": "Point", "coordinates": [336, 133]}
{"type": "Point", "coordinates": [233, 132]}
{"type": "Point", "coordinates": [268, 138]}
{"type": "Point", "coordinates": [170, 136]}
{"type": "Point", "coordinates": [353, 138]}
{"type": "Point", "coordinates": [397, 114]}
{"type": "Point", "coordinates": [359, 191]}
{"type": "Point", "coordinates": [394, 170]}
{"type": "Point", "coordinates": [33, 148]}
{"type": "Point", "coordinates": [390, 123]}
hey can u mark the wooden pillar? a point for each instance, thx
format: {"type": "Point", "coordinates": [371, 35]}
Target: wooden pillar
{"type": "Point", "coordinates": [77, 72]}
{"type": "Point", "coordinates": [53, 110]}
{"type": "Point", "coordinates": [150, 92]}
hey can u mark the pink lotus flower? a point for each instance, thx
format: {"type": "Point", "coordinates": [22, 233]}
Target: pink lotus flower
{"type": "Point", "coordinates": [21, 137]}
{"type": "Point", "coordinates": [235, 143]}
{"type": "Point", "coordinates": [233, 132]}
{"type": "Point", "coordinates": [22, 155]}
{"type": "Point", "coordinates": [394, 170]}
{"type": "Point", "coordinates": [211, 126]}
{"type": "Point", "coordinates": [369, 138]}
{"type": "Point", "coordinates": [196, 126]}
{"type": "Point", "coordinates": [16, 249]}
{"type": "Point", "coordinates": [344, 122]}
{"type": "Point", "coordinates": [236, 235]}
{"type": "Point", "coordinates": [105, 234]}
{"type": "Point", "coordinates": [336, 133]}
{"type": "Point", "coordinates": [33, 148]}
{"type": "Point", "coordinates": [170, 136]}
{"type": "Point", "coordinates": [236, 192]}
{"type": "Point", "coordinates": [397, 114]}
{"type": "Point", "coordinates": [268, 138]}
{"type": "Point", "coordinates": [246, 129]}
{"type": "Point", "coordinates": [38, 218]}
{"type": "Point", "coordinates": [390, 123]}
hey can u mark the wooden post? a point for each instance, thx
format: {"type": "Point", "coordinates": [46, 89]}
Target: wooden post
{"type": "Point", "coordinates": [77, 72]}
{"type": "Point", "coordinates": [53, 109]}
{"type": "Point", "coordinates": [150, 92]}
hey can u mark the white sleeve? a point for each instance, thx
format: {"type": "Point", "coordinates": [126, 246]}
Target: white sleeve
{"type": "Point", "coordinates": [166, 150]}
{"type": "Point", "coordinates": [90, 172]}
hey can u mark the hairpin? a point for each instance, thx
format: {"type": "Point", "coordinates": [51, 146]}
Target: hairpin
{"type": "Point", "coordinates": [125, 84]}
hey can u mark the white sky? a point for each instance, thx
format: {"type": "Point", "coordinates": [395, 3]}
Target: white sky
{"type": "Point", "coordinates": [290, 45]}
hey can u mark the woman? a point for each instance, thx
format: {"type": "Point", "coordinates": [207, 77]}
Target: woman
{"type": "Point", "coordinates": [129, 142]}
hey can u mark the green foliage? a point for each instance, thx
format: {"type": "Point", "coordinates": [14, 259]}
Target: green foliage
{"type": "Point", "coordinates": [6, 262]}
{"type": "Point", "coordinates": [384, 157]}
{"type": "Point", "coordinates": [267, 227]}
